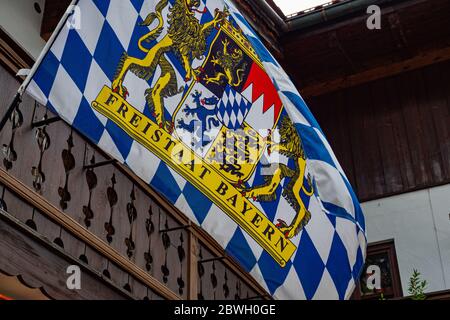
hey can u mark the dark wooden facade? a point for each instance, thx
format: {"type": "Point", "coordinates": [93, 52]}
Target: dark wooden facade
{"type": "Point", "coordinates": [342, 52]}
{"type": "Point", "coordinates": [382, 97]}
{"type": "Point", "coordinates": [391, 135]}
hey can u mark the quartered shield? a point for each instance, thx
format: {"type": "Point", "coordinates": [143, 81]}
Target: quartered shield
{"type": "Point", "coordinates": [228, 113]}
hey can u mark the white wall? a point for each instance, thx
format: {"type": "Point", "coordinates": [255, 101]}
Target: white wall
{"type": "Point", "coordinates": [19, 19]}
{"type": "Point", "coordinates": [420, 225]}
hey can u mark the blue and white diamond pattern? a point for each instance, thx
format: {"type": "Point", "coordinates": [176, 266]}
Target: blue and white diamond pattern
{"type": "Point", "coordinates": [332, 247]}
{"type": "Point", "coordinates": [232, 109]}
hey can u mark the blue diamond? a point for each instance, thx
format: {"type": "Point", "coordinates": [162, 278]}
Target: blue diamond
{"type": "Point", "coordinates": [199, 203]}
{"type": "Point", "coordinates": [239, 249]}
{"type": "Point", "coordinates": [274, 275]}
{"type": "Point", "coordinates": [165, 183]}
{"type": "Point", "coordinates": [309, 265]}
{"type": "Point", "coordinates": [338, 266]}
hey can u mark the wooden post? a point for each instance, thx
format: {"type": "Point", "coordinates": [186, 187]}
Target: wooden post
{"type": "Point", "coordinates": [192, 267]}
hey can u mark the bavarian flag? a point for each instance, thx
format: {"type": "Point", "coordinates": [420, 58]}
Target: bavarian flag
{"type": "Point", "coordinates": [185, 94]}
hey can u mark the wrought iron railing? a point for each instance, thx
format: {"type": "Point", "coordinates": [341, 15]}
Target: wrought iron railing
{"type": "Point", "coordinates": [95, 209]}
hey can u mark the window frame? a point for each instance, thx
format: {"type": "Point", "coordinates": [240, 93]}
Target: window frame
{"type": "Point", "coordinates": [386, 247]}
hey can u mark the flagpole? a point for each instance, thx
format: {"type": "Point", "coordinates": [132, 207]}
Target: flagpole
{"type": "Point", "coordinates": [17, 100]}
{"type": "Point", "coordinates": [47, 47]}
{"type": "Point", "coordinates": [18, 97]}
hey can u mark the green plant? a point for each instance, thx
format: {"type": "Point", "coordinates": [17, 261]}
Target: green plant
{"type": "Point", "coordinates": [417, 286]}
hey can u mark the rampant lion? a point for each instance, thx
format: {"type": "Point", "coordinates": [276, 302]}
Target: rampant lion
{"type": "Point", "coordinates": [186, 37]}
{"type": "Point", "coordinates": [205, 120]}
{"type": "Point", "coordinates": [290, 146]}
{"type": "Point", "coordinates": [228, 61]}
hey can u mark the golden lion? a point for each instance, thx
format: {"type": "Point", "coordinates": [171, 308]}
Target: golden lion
{"type": "Point", "coordinates": [290, 146]}
{"type": "Point", "coordinates": [228, 61]}
{"type": "Point", "coordinates": [185, 36]}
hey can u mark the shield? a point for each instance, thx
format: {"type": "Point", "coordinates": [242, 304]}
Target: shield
{"type": "Point", "coordinates": [218, 132]}
{"type": "Point", "coordinates": [226, 116]}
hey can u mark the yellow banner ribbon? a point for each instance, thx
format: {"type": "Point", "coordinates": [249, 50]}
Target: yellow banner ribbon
{"type": "Point", "coordinates": [199, 173]}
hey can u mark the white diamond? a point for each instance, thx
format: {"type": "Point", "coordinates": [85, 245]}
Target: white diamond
{"type": "Point", "coordinates": [233, 119]}
{"type": "Point", "coordinates": [226, 119]}
{"type": "Point", "coordinates": [231, 98]}
{"type": "Point", "coordinates": [238, 99]}
{"type": "Point", "coordinates": [123, 28]}
{"type": "Point", "coordinates": [65, 95]}
{"type": "Point", "coordinates": [240, 117]}
{"type": "Point", "coordinates": [219, 116]}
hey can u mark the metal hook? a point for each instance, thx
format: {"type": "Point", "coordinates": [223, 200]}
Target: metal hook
{"type": "Point", "coordinates": [99, 164]}
{"type": "Point", "coordinates": [212, 259]}
{"type": "Point", "coordinates": [176, 228]}
{"type": "Point", "coordinates": [45, 122]}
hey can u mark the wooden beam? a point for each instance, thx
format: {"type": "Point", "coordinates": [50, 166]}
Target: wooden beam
{"type": "Point", "coordinates": [192, 267]}
{"type": "Point", "coordinates": [12, 56]}
{"type": "Point", "coordinates": [417, 62]}
{"type": "Point", "coordinates": [296, 35]}
{"type": "Point", "coordinates": [35, 242]}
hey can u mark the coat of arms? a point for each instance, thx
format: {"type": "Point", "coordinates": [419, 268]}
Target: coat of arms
{"type": "Point", "coordinates": [226, 111]}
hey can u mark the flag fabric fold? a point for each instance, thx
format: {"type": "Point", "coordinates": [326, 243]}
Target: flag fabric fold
{"type": "Point", "coordinates": [185, 94]}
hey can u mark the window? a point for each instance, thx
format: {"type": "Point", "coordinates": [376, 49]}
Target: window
{"type": "Point", "coordinates": [383, 255]}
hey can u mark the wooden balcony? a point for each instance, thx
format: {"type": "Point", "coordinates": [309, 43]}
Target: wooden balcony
{"type": "Point", "coordinates": [64, 202]}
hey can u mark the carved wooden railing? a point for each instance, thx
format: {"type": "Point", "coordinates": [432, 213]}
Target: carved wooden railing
{"type": "Point", "coordinates": [96, 210]}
